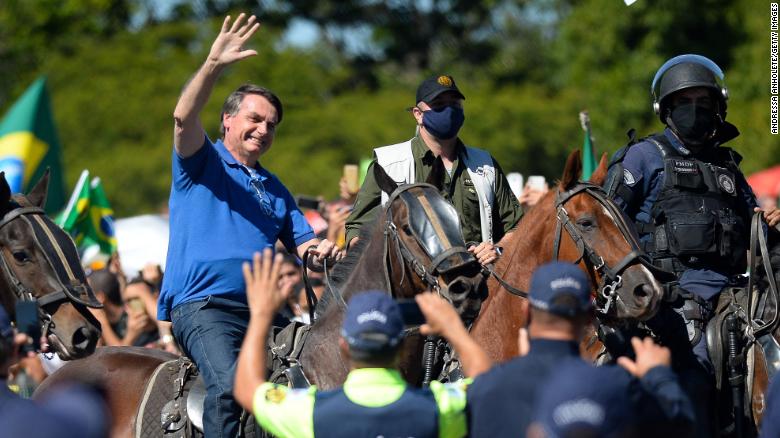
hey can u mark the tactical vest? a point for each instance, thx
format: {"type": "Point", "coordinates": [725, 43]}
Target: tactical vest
{"type": "Point", "coordinates": [414, 414]}
{"type": "Point", "coordinates": [398, 162]}
{"type": "Point", "coordinates": [697, 218]}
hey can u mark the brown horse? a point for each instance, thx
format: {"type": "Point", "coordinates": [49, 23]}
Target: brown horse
{"type": "Point", "coordinates": [574, 222]}
{"type": "Point", "coordinates": [414, 245]}
{"type": "Point", "coordinates": [39, 263]}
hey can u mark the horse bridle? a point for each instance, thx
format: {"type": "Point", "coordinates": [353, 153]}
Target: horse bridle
{"type": "Point", "coordinates": [427, 273]}
{"type": "Point", "coordinates": [75, 287]}
{"type": "Point", "coordinates": [611, 278]}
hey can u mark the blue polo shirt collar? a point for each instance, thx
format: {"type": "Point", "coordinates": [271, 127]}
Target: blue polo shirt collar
{"type": "Point", "coordinates": [228, 158]}
{"type": "Point", "coordinates": [676, 143]}
{"type": "Point", "coordinates": [554, 347]}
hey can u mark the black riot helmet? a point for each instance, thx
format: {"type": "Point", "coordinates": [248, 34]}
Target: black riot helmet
{"type": "Point", "coordinates": [683, 72]}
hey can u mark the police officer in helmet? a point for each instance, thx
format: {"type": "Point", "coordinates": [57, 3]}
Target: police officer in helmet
{"type": "Point", "coordinates": [690, 202]}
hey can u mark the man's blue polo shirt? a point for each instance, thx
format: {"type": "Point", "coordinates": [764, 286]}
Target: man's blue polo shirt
{"type": "Point", "coordinates": [219, 216]}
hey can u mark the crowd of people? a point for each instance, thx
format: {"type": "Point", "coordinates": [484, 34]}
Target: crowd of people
{"type": "Point", "coordinates": [219, 297]}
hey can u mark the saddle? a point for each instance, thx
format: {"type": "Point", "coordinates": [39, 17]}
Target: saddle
{"type": "Point", "coordinates": [172, 403]}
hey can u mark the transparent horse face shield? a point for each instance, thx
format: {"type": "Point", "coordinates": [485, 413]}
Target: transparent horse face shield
{"type": "Point", "coordinates": [436, 227]}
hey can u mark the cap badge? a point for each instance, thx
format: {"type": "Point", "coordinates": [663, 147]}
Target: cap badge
{"type": "Point", "coordinates": [444, 81]}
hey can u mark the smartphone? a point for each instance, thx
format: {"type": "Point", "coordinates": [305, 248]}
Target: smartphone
{"type": "Point", "coordinates": [411, 313]}
{"type": "Point", "coordinates": [536, 182]}
{"type": "Point", "coordinates": [27, 322]}
{"type": "Point", "coordinates": [136, 304]}
{"type": "Point", "coordinates": [515, 181]}
{"type": "Point", "coordinates": [352, 175]}
{"type": "Point", "coordinates": [308, 202]}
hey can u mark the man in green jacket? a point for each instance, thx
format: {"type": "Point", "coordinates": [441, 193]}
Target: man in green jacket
{"type": "Point", "coordinates": [474, 183]}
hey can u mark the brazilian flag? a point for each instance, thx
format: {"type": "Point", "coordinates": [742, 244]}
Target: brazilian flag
{"type": "Point", "coordinates": [29, 145]}
{"type": "Point", "coordinates": [88, 217]}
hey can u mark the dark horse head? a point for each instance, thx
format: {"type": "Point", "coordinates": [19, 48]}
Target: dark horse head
{"type": "Point", "coordinates": [414, 245]}
{"type": "Point", "coordinates": [39, 262]}
{"type": "Point", "coordinates": [424, 244]}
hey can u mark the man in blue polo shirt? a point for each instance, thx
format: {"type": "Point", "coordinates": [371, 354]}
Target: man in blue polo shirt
{"type": "Point", "coordinates": [224, 206]}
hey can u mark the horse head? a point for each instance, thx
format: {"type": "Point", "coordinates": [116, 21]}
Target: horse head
{"type": "Point", "coordinates": [425, 246]}
{"type": "Point", "coordinates": [603, 240]}
{"type": "Point", "coordinates": [39, 262]}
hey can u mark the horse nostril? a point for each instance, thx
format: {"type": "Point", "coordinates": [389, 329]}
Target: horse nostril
{"type": "Point", "coordinates": [642, 291]}
{"type": "Point", "coordinates": [81, 338]}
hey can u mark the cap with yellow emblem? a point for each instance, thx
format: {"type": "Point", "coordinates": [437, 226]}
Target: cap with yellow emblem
{"type": "Point", "coordinates": [434, 86]}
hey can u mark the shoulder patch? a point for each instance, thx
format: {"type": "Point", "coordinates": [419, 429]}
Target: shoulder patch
{"type": "Point", "coordinates": [275, 395]}
{"type": "Point", "coordinates": [726, 183]}
{"type": "Point", "coordinates": [628, 178]}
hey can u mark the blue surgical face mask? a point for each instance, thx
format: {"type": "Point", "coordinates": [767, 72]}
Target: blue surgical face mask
{"type": "Point", "coordinates": [444, 123]}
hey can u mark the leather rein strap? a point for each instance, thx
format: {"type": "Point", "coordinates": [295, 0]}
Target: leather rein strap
{"type": "Point", "coordinates": [611, 276]}
{"type": "Point", "coordinates": [758, 238]}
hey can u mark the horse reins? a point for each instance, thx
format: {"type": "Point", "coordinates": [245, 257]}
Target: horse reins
{"type": "Point", "coordinates": [611, 277]}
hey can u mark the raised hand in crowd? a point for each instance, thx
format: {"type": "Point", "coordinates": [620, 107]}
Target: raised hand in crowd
{"type": "Point", "coordinates": [337, 217]}
{"type": "Point", "coordinates": [648, 356]}
{"type": "Point", "coordinates": [265, 294]}
{"type": "Point", "coordinates": [531, 195]}
{"type": "Point", "coordinates": [138, 322]}
{"type": "Point", "coordinates": [441, 319]}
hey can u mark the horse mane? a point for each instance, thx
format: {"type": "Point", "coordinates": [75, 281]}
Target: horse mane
{"type": "Point", "coordinates": [343, 269]}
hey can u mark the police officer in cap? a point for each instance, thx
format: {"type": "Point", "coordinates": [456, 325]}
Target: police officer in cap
{"type": "Point", "coordinates": [690, 202]}
{"type": "Point", "coordinates": [374, 401]}
{"type": "Point", "coordinates": [502, 400]}
{"type": "Point", "coordinates": [474, 182]}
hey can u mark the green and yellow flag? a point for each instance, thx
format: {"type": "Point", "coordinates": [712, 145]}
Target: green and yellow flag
{"type": "Point", "coordinates": [88, 216]}
{"type": "Point", "coordinates": [29, 144]}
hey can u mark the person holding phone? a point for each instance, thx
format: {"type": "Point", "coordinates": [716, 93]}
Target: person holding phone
{"type": "Point", "coordinates": [474, 182]}
{"type": "Point", "coordinates": [69, 411]}
{"type": "Point", "coordinates": [224, 206]}
{"type": "Point", "coordinates": [375, 398]}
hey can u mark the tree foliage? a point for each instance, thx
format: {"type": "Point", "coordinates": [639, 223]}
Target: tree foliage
{"type": "Point", "coordinates": [527, 68]}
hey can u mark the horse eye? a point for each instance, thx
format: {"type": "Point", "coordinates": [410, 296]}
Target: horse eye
{"type": "Point", "coordinates": [585, 223]}
{"type": "Point", "coordinates": [21, 256]}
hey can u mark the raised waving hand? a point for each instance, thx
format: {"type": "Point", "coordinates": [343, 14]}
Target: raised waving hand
{"type": "Point", "coordinates": [228, 46]}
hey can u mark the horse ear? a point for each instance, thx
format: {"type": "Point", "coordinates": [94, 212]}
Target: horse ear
{"type": "Point", "coordinates": [572, 171]}
{"type": "Point", "coordinates": [5, 190]}
{"type": "Point", "coordinates": [383, 180]}
{"type": "Point", "coordinates": [37, 195]}
{"type": "Point", "coordinates": [436, 177]}
{"type": "Point", "coordinates": [600, 175]}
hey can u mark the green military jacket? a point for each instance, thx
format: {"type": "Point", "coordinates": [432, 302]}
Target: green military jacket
{"type": "Point", "coordinates": [458, 189]}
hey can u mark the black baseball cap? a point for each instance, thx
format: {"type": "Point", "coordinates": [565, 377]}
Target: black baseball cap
{"type": "Point", "coordinates": [434, 86]}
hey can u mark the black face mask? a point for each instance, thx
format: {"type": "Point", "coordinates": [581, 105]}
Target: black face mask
{"type": "Point", "coordinates": [695, 124]}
